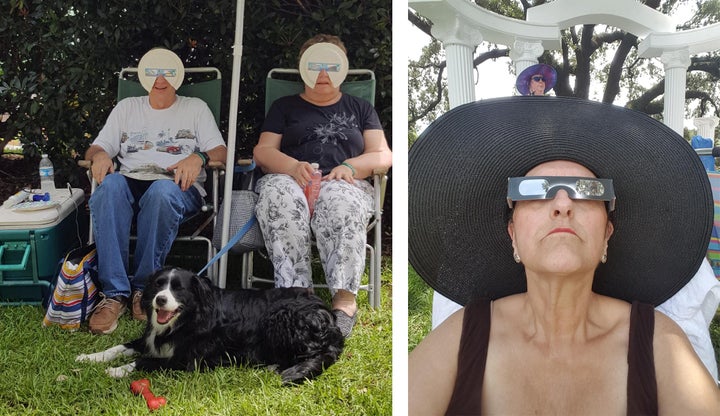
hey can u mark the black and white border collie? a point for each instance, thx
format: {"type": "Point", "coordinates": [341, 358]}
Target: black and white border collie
{"type": "Point", "coordinates": [195, 325]}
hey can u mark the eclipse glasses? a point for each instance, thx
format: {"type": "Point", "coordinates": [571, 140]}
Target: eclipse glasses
{"type": "Point", "coordinates": [528, 188]}
{"type": "Point", "coordinates": [319, 66]}
{"type": "Point", "coordinates": [165, 72]}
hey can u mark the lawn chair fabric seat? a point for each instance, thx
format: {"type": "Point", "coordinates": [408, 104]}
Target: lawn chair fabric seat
{"type": "Point", "coordinates": [360, 83]}
{"type": "Point", "coordinates": [207, 90]}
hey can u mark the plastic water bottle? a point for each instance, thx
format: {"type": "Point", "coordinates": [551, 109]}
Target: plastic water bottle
{"type": "Point", "coordinates": [47, 174]}
{"type": "Point", "coordinates": [312, 189]}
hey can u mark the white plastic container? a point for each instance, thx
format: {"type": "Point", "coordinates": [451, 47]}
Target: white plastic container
{"type": "Point", "coordinates": [44, 236]}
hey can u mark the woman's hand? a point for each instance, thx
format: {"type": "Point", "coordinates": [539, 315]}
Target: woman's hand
{"type": "Point", "coordinates": [341, 172]}
{"type": "Point", "coordinates": [301, 172]}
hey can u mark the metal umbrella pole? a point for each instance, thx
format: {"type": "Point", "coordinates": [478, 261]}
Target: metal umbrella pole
{"type": "Point", "coordinates": [232, 132]}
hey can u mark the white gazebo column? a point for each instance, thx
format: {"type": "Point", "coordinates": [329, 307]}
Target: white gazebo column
{"type": "Point", "coordinates": [459, 40]}
{"type": "Point", "coordinates": [706, 126]}
{"type": "Point", "coordinates": [675, 64]}
{"type": "Point", "coordinates": [525, 53]}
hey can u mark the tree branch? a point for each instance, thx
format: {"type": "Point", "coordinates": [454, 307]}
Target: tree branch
{"type": "Point", "coordinates": [612, 87]}
{"type": "Point", "coordinates": [432, 104]}
{"type": "Point", "coordinates": [645, 102]}
{"type": "Point", "coordinates": [420, 23]}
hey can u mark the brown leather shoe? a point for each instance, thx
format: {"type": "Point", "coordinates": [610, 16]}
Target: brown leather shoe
{"type": "Point", "coordinates": [137, 310]}
{"type": "Point", "coordinates": [105, 317]}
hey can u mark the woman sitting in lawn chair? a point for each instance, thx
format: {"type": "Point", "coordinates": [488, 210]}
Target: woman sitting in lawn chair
{"type": "Point", "coordinates": [343, 135]}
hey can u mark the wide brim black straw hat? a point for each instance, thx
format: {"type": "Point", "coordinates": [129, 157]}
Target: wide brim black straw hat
{"type": "Point", "coordinates": [458, 171]}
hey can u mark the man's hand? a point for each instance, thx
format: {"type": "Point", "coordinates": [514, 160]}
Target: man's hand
{"type": "Point", "coordinates": [101, 166]}
{"type": "Point", "coordinates": [187, 170]}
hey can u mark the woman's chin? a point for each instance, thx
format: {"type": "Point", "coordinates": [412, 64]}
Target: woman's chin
{"type": "Point", "coordinates": [563, 265]}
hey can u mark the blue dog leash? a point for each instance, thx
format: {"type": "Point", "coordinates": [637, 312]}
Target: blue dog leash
{"type": "Point", "coordinates": [245, 228]}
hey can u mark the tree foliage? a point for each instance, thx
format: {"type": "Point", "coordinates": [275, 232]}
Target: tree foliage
{"type": "Point", "coordinates": [60, 59]}
{"type": "Point", "coordinates": [592, 58]}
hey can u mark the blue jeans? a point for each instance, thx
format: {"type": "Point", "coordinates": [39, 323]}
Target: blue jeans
{"type": "Point", "coordinates": [159, 208]}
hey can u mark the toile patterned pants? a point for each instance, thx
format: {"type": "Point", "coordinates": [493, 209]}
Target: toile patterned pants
{"type": "Point", "coordinates": [339, 223]}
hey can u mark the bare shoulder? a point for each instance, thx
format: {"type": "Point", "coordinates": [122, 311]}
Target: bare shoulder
{"type": "Point", "coordinates": [684, 384]}
{"type": "Point", "coordinates": [432, 368]}
{"type": "Point", "coordinates": [443, 339]}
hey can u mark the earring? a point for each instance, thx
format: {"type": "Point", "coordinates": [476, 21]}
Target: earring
{"type": "Point", "coordinates": [603, 259]}
{"type": "Point", "coordinates": [516, 256]}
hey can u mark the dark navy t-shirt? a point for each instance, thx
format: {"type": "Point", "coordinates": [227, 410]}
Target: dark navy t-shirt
{"type": "Point", "coordinates": [325, 135]}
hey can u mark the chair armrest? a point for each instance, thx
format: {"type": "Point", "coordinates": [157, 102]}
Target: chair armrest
{"type": "Point", "coordinates": [380, 174]}
{"type": "Point", "coordinates": [245, 162]}
{"type": "Point", "coordinates": [216, 165]}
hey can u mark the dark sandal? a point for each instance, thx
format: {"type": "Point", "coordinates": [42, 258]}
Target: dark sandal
{"type": "Point", "coordinates": [344, 321]}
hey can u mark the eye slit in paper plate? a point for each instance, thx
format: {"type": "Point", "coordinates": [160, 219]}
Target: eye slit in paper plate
{"type": "Point", "coordinates": [157, 62]}
{"type": "Point", "coordinates": [319, 66]}
{"type": "Point", "coordinates": [323, 56]}
{"type": "Point", "coordinates": [165, 72]}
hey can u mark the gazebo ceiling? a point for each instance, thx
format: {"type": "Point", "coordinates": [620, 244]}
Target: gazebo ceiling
{"type": "Point", "coordinates": [628, 15]}
{"type": "Point", "coordinates": [495, 28]}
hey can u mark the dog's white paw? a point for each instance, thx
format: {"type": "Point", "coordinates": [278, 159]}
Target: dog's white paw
{"type": "Point", "coordinates": [107, 355]}
{"type": "Point", "coordinates": [97, 357]}
{"type": "Point", "coordinates": [120, 372]}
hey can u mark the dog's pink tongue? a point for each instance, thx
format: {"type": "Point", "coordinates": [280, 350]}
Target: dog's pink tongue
{"type": "Point", "coordinates": [164, 317]}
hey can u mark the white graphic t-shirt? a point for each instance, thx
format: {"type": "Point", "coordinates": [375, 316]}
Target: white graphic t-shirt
{"type": "Point", "coordinates": [146, 140]}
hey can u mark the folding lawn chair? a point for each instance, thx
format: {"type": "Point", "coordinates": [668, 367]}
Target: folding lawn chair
{"type": "Point", "coordinates": [281, 82]}
{"type": "Point", "coordinates": [204, 83]}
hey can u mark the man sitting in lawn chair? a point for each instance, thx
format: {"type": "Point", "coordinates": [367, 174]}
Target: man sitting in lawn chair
{"type": "Point", "coordinates": [162, 142]}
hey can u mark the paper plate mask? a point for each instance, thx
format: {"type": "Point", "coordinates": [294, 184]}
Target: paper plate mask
{"type": "Point", "coordinates": [158, 62]}
{"type": "Point", "coordinates": [323, 56]}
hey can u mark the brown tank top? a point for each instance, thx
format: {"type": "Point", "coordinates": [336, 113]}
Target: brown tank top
{"type": "Point", "coordinates": [641, 384]}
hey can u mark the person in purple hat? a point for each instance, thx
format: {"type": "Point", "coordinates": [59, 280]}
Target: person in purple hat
{"type": "Point", "coordinates": [537, 79]}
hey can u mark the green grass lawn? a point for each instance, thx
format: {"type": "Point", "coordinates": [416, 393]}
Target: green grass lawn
{"type": "Point", "coordinates": [420, 311]}
{"type": "Point", "coordinates": [40, 375]}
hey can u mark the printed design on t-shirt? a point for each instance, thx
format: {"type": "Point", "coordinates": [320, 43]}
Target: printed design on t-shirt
{"type": "Point", "coordinates": [183, 142]}
{"type": "Point", "coordinates": [333, 131]}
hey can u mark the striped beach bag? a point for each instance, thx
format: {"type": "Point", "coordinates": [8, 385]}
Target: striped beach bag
{"type": "Point", "coordinates": [76, 291]}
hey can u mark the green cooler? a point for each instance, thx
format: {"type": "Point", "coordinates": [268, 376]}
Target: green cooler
{"type": "Point", "coordinates": [34, 238]}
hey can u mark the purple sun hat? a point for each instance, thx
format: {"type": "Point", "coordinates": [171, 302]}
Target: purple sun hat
{"type": "Point", "coordinates": [523, 80]}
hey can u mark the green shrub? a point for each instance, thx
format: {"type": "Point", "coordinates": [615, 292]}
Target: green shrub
{"type": "Point", "coordinates": [60, 59]}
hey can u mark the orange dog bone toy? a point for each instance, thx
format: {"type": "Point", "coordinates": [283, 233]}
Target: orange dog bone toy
{"type": "Point", "coordinates": [142, 386]}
